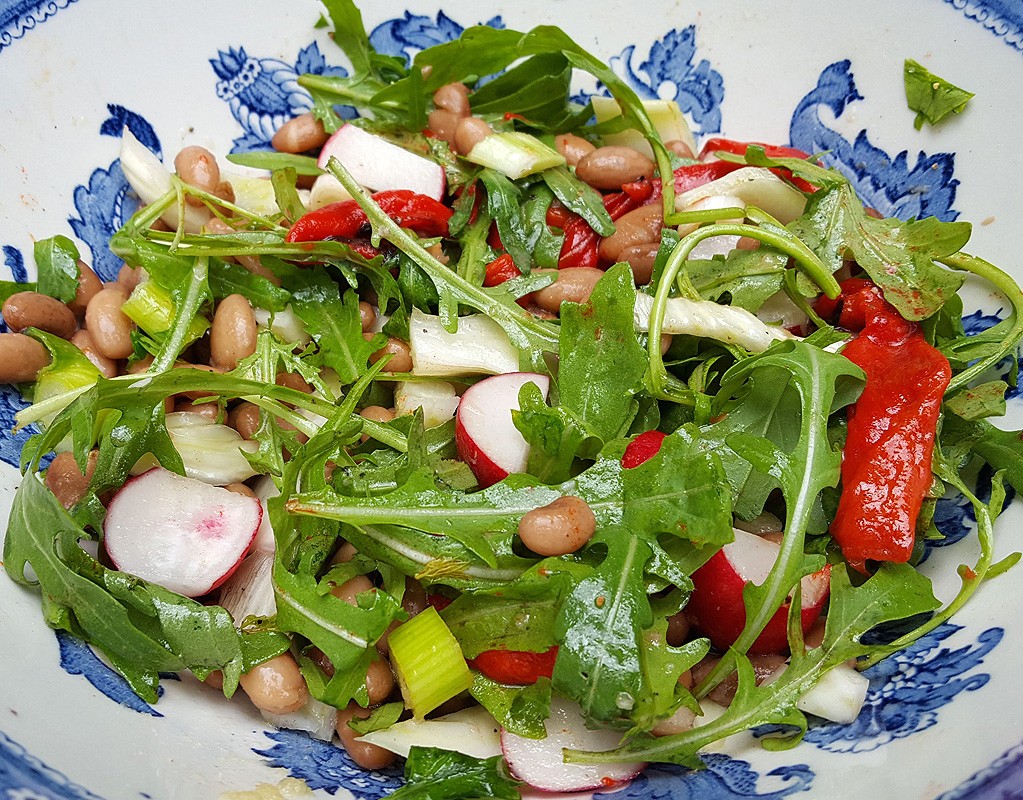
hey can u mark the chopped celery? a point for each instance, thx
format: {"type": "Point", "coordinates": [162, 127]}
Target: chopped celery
{"type": "Point", "coordinates": [428, 662]}
{"type": "Point", "coordinates": [515, 154]}
{"type": "Point", "coordinates": [151, 307]}
{"type": "Point", "coordinates": [68, 375]}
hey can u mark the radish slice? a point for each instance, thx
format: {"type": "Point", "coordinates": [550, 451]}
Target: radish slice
{"type": "Point", "coordinates": [716, 605]}
{"type": "Point", "coordinates": [485, 435]}
{"type": "Point", "coordinates": [178, 532]}
{"type": "Point", "coordinates": [539, 762]}
{"type": "Point", "coordinates": [379, 165]}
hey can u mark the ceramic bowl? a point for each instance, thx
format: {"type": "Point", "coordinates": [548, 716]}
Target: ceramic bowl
{"type": "Point", "coordinates": [941, 720]}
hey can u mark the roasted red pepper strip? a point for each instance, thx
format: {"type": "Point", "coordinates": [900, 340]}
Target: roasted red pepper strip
{"type": "Point", "coordinates": [738, 148]}
{"type": "Point", "coordinates": [886, 464]}
{"type": "Point", "coordinates": [515, 667]}
{"type": "Point", "coordinates": [581, 245]}
{"type": "Point", "coordinates": [642, 449]}
{"type": "Point", "coordinates": [343, 220]}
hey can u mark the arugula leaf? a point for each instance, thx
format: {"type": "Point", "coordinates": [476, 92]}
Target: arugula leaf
{"type": "Point", "coordinates": [985, 400]}
{"type": "Point", "coordinates": [57, 264]}
{"type": "Point", "coordinates": [898, 256]}
{"type": "Point", "coordinates": [662, 667]}
{"type": "Point", "coordinates": [894, 592]}
{"type": "Point", "coordinates": [1003, 450]}
{"type": "Point", "coordinates": [803, 463]}
{"type": "Point", "coordinates": [580, 198]}
{"type": "Point", "coordinates": [141, 628]}
{"type": "Point", "coordinates": [504, 199]}
{"type": "Point", "coordinates": [332, 321]}
{"type": "Point", "coordinates": [226, 278]}
{"type": "Point", "coordinates": [522, 710]}
{"type": "Point", "coordinates": [931, 97]}
{"type": "Point", "coordinates": [537, 90]}
{"type": "Point", "coordinates": [272, 160]}
{"type": "Point", "coordinates": [433, 774]}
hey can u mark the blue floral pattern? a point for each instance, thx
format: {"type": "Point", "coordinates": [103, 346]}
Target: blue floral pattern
{"type": "Point", "coordinates": [323, 765]}
{"type": "Point", "coordinates": [723, 779]}
{"type": "Point", "coordinates": [890, 185]}
{"type": "Point", "coordinates": [907, 689]}
{"type": "Point", "coordinates": [25, 777]}
{"type": "Point", "coordinates": [1003, 18]}
{"type": "Point", "coordinates": [668, 73]}
{"type": "Point", "coordinates": [18, 17]}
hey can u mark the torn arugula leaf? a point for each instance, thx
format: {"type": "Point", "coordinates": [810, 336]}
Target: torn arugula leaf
{"type": "Point", "coordinates": [931, 97]}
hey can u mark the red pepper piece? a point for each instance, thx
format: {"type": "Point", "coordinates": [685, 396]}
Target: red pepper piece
{"type": "Point", "coordinates": [886, 464]}
{"type": "Point", "coordinates": [719, 144]}
{"type": "Point", "coordinates": [343, 220]}
{"type": "Point", "coordinates": [642, 448]}
{"type": "Point", "coordinates": [581, 245]}
{"type": "Point", "coordinates": [515, 667]}
{"type": "Point", "coordinates": [501, 269]}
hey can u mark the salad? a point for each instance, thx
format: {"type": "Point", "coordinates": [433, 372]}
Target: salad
{"type": "Point", "coordinates": [466, 417]}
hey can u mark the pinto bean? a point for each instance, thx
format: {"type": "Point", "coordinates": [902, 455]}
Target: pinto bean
{"type": "Point", "coordinates": [613, 165]}
{"type": "Point", "coordinates": [198, 167]}
{"type": "Point", "coordinates": [299, 134]}
{"type": "Point", "coordinates": [244, 418]}
{"type": "Point", "coordinates": [88, 284]}
{"type": "Point", "coordinates": [641, 258]}
{"type": "Point", "coordinates": [443, 123]}
{"type": "Point", "coordinates": [83, 341]}
{"type": "Point", "coordinates": [469, 133]}
{"type": "Point", "coordinates": [366, 755]}
{"type": "Point", "coordinates": [109, 326]}
{"type": "Point", "coordinates": [233, 333]}
{"type": "Point", "coordinates": [367, 315]}
{"type": "Point", "coordinates": [379, 681]}
{"type": "Point", "coordinates": [573, 285]}
{"type": "Point", "coordinates": [558, 528]}
{"type": "Point", "coordinates": [128, 277]}
{"type": "Point", "coordinates": [453, 97]}
{"type": "Point", "coordinates": [210, 411]}
{"type": "Point", "coordinates": [640, 226]}
{"type": "Point", "coordinates": [67, 482]}
{"type": "Point", "coordinates": [350, 590]}
{"type": "Point", "coordinates": [276, 686]}
{"type": "Point", "coordinates": [764, 664]}
{"type": "Point", "coordinates": [240, 488]}
{"type": "Point", "coordinates": [21, 358]}
{"type": "Point", "coordinates": [401, 356]}
{"type": "Point", "coordinates": [35, 310]}
{"type": "Point", "coordinates": [573, 147]}
{"type": "Point", "coordinates": [293, 381]}
{"type": "Point", "coordinates": [679, 148]}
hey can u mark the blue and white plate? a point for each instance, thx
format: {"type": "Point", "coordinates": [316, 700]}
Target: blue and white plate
{"type": "Point", "coordinates": [942, 720]}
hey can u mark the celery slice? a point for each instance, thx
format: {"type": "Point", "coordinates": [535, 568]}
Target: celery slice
{"type": "Point", "coordinates": [428, 662]}
{"type": "Point", "coordinates": [514, 154]}
{"type": "Point", "coordinates": [151, 307]}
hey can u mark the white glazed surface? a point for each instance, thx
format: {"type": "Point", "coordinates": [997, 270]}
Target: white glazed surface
{"type": "Point", "coordinates": [58, 77]}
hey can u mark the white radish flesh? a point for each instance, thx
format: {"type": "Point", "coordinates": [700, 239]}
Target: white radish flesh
{"type": "Point", "coordinates": [540, 762]}
{"type": "Point", "coordinates": [485, 434]}
{"type": "Point", "coordinates": [379, 165]}
{"type": "Point", "coordinates": [178, 532]}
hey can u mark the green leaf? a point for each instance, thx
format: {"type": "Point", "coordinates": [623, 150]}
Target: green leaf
{"type": "Point", "coordinates": [522, 710]}
{"type": "Point", "coordinates": [272, 160]}
{"type": "Point", "coordinates": [432, 774]}
{"type": "Point", "coordinates": [350, 33]}
{"type": "Point", "coordinates": [602, 362]}
{"type": "Point", "coordinates": [931, 97]}
{"type": "Point", "coordinates": [333, 322]}
{"type": "Point", "coordinates": [985, 400]}
{"type": "Point", "coordinates": [900, 257]}
{"type": "Point", "coordinates": [599, 662]}
{"type": "Point", "coordinates": [580, 198]}
{"type": "Point", "coordinates": [142, 628]}
{"type": "Point", "coordinates": [57, 264]}
{"type": "Point", "coordinates": [503, 203]}
{"type": "Point", "coordinates": [7, 288]}
{"type": "Point", "coordinates": [382, 717]}
{"type": "Point", "coordinates": [226, 278]}
{"type": "Point", "coordinates": [285, 193]}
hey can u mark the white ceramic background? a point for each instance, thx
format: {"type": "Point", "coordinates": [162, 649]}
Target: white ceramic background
{"type": "Point", "coordinates": [62, 63]}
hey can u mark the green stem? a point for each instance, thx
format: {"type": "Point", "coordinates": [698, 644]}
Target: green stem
{"type": "Point", "coordinates": [186, 311]}
{"type": "Point", "coordinates": [665, 386]}
{"type": "Point", "coordinates": [1013, 325]}
{"type": "Point", "coordinates": [526, 331]}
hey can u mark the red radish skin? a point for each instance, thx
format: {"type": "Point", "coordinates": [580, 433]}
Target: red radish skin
{"type": "Point", "coordinates": [540, 763]}
{"type": "Point", "coordinates": [180, 533]}
{"type": "Point", "coordinates": [716, 605]}
{"type": "Point", "coordinates": [379, 165]}
{"type": "Point", "coordinates": [485, 436]}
